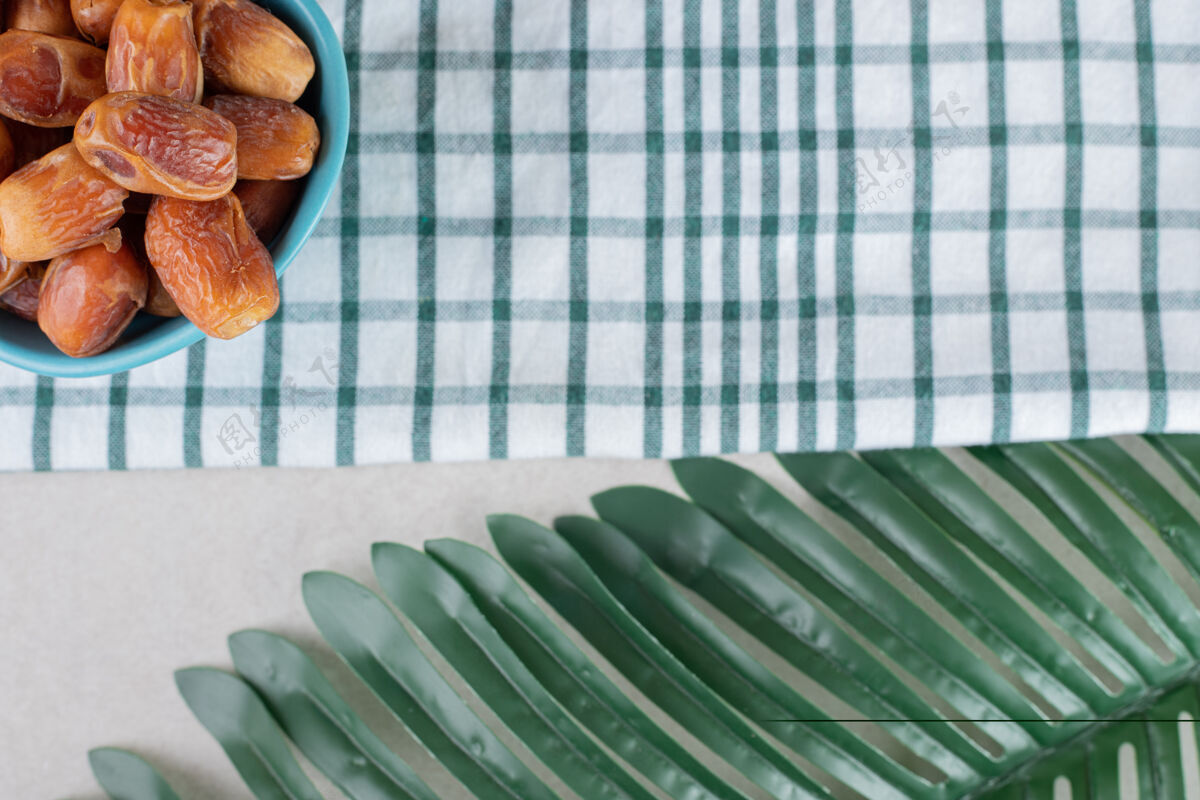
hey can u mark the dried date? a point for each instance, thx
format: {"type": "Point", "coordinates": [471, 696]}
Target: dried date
{"type": "Point", "coordinates": [247, 50]}
{"type": "Point", "coordinates": [88, 297]}
{"type": "Point", "coordinates": [48, 80]}
{"type": "Point", "coordinates": [57, 204]}
{"type": "Point", "coordinates": [159, 145]}
{"type": "Point", "coordinates": [211, 263]}
{"type": "Point", "coordinates": [44, 16]}
{"type": "Point", "coordinates": [276, 141]}
{"type": "Point", "coordinates": [94, 18]}
{"type": "Point", "coordinates": [152, 49]}
{"type": "Point", "coordinates": [267, 204]}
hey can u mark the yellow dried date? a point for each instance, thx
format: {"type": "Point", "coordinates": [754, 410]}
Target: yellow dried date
{"type": "Point", "coordinates": [57, 204]}
{"type": "Point", "coordinates": [48, 80]}
{"type": "Point", "coordinates": [45, 16]}
{"type": "Point", "coordinates": [267, 204]}
{"type": "Point", "coordinates": [152, 49]}
{"type": "Point", "coordinates": [247, 50]}
{"type": "Point", "coordinates": [88, 298]}
{"type": "Point", "coordinates": [159, 145]}
{"type": "Point", "coordinates": [94, 18]}
{"type": "Point", "coordinates": [211, 263]}
{"type": "Point", "coordinates": [276, 141]}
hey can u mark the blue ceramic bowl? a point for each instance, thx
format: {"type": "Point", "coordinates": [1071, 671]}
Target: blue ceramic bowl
{"type": "Point", "coordinates": [149, 338]}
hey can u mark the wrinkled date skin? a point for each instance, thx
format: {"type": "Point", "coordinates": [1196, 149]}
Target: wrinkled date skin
{"type": "Point", "coordinates": [94, 18]}
{"type": "Point", "coordinates": [48, 80]}
{"type": "Point", "coordinates": [246, 50]}
{"type": "Point", "coordinates": [211, 263]}
{"type": "Point", "coordinates": [44, 16]}
{"type": "Point", "coordinates": [267, 204]}
{"type": "Point", "coordinates": [152, 49]}
{"type": "Point", "coordinates": [159, 145]}
{"type": "Point", "coordinates": [22, 298]}
{"type": "Point", "coordinates": [276, 141]}
{"type": "Point", "coordinates": [57, 204]}
{"type": "Point", "coordinates": [31, 143]}
{"type": "Point", "coordinates": [89, 297]}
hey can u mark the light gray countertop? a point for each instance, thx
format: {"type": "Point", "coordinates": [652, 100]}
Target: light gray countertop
{"type": "Point", "coordinates": [111, 581]}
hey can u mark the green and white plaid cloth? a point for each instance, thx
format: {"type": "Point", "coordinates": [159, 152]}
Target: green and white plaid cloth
{"type": "Point", "coordinates": [666, 227]}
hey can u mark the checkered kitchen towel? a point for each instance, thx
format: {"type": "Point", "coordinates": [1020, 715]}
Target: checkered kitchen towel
{"type": "Point", "coordinates": [664, 227]}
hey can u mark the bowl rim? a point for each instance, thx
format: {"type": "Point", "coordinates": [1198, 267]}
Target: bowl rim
{"type": "Point", "coordinates": [172, 335]}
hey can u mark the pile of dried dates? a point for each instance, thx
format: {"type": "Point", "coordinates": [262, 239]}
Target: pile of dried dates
{"type": "Point", "coordinates": [148, 175]}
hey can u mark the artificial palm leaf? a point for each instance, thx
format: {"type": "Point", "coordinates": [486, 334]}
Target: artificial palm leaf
{"type": "Point", "coordinates": [126, 776]}
{"type": "Point", "coordinates": [1004, 622]}
{"type": "Point", "coordinates": [321, 723]}
{"type": "Point", "coordinates": [369, 637]}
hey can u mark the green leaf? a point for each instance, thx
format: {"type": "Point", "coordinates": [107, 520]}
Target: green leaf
{"type": "Point", "coordinates": [125, 776]}
{"type": "Point", "coordinates": [924, 551]}
{"type": "Point", "coordinates": [1134, 484]}
{"type": "Point", "coordinates": [977, 522]}
{"type": "Point", "coordinates": [743, 682]}
{"type": "Point", "coordinates": [1182, 453]}
{"type": "Point", "coordinates": [1082, 517]}
{"type": "Point", "coordinates": [575, 681]}
{"type": "Point", "coordinates": [701, 554]}
{"type": "Point", "coordinates": [370, 638]}
{"type": "Point", "coordinates": [544, 560]}
{"type": "Point", "coordinates": [241, 724]}
{"type": "Point", "coordinates": [961, 661]}
{"type": "Point", "coordinates": [320, 722]}
{"type": "Point", "coordinates": [441, 608]}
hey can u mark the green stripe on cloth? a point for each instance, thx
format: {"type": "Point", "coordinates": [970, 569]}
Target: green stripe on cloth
{"type": "Point", "coordinates": [502, 242]}
{"type": "Point", "coordinates": [118, 396]}
{"type": "Point", "coordinates": [193, 406]}
{"type": "Point", "coordinates": [349, 246]}
{"type": "Point", "coordinates": [922, 288]}
{"type": "Point", "coordinates": [1072, 228]}
{"type": "Point", "coordinates": [998, 226]}
{"type": "Point", "coordinates": [652, 351]}
{"type": "Point", "coordinates": [731, 202]}
{"type": "Point", "coordinates": [427, 299]}
{"type": "Point", "coordinates": [807, 424]}
{"type": "Point", "coordinates": [1148, 200]}
{"type": "Point", "coordinates": [643, 228]}
{"type": "Point", "coordinates": [693, 187]}
{"type": "Point", "coordinates": [847, 200]}
{"type": "Point", "coordinates": [268, 428]}
{"type": "Point", "coordinates": [577, 341]}
{"type": "Point", "coordinates": [768, 237]}
{"type": "Point", "coordinates": [42, 410]}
